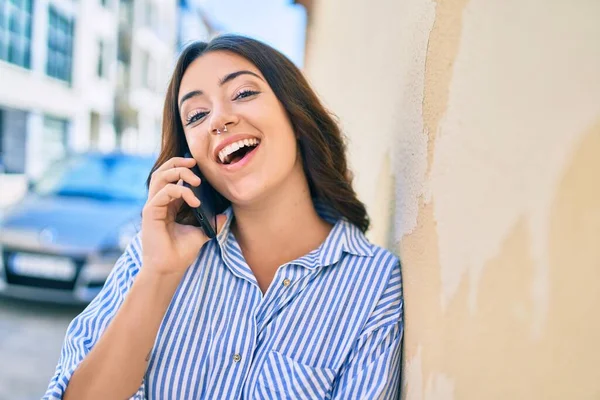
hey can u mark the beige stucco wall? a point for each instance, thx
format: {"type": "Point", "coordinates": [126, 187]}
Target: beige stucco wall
{"type": "Point", "coordinates": [474, 130]}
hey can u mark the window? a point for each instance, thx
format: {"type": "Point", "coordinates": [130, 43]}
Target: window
{"type": "Point", "coordinates": [94, 129]}
{"type": "Point", "coordinates": [60, 45]}
{"type": "Point", "coordinates": [14, 133]}
{"type": "Point", "coordinates": [114, 177]}
{"type": "Point", "coordinates": [148, 71]}
{"type": "Point", "coordinates": [101, 64]}
{"type": "Point", "coordinates": [55, 138]}
{"type": "Point", "coordinates": [126, 12]}
{"type": "Point", "coordinates": [15, 31]}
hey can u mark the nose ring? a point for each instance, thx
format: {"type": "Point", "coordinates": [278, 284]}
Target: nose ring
{"type": "Point", "coordinates": [224, 129]}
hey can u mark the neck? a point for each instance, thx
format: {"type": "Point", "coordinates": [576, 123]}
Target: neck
{"type": "Point", "coordinates": [280, 227]}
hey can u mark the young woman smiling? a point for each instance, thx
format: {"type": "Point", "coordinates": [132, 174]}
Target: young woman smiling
{"type": "Point", "coordinates": [290, 300]}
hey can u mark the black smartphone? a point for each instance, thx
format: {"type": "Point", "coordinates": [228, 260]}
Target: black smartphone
{"type": "Point", "coordinates": [206, 213]}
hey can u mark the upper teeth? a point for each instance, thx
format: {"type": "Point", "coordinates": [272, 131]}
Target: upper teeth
{"type": "Point", "coordinates": [228, 150]}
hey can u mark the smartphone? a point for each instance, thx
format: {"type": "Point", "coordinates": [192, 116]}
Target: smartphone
{"type": "Point", "coordinates": [206, 213]}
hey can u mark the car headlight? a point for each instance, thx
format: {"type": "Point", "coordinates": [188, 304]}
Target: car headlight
{"type": "Point", "coordinates": [98, 266]}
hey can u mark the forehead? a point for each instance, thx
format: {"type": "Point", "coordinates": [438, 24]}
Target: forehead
{"type": "Point", "coordinates": [207, 70]}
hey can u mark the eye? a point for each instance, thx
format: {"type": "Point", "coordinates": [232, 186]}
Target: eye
{"type": "Point", "coordinates": [245, 93]}
{"type": "Point", "coordinates": [195, 116]}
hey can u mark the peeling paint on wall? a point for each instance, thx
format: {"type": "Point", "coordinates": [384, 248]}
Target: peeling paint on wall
{"type": "Point", "coordinates": [412, 379]}
{"type": "Point", "coordinates": [439, 386]}
{"type": "Point", "coordinates": [505, 139]}
{"type": "Point", "coordinates": [442, 49]}
{"type": "Point", "coordinates": [410, 143]}
{"type": "Point", "coordinates": [378, 53]}
{"type": "Point", "coordinates": [490, 117]}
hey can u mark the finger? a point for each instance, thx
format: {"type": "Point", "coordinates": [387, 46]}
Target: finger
{"type": "Point", "coordinates": [172, 175]}
{"type": "Point", "coordinates": [176, 162]}
{"type": "Point", "coordinates": [167, 165]}
{"type": "Point", "coordinates": [170, 192]}
{"type": "Point", "coordinates": [179, 173]}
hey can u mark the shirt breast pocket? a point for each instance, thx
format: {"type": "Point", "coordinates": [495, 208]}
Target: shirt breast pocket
{"type": "Point", "coordinates": [284, 378]}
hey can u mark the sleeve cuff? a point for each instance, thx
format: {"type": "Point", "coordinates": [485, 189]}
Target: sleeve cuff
{"type": "Point", "coordinates": [61, 380]}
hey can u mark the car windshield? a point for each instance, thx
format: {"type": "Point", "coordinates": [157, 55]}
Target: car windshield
{"type": "Point", "coordinates": [102, 177]}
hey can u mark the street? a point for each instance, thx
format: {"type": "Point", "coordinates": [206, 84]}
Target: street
{"type": "Point", "coordinates": [31, 336]}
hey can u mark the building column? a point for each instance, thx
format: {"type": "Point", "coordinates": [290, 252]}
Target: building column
{"type": "Point", "coordinates": [39, 37]}
{"type": "Point", "coordinates": [34, 142]}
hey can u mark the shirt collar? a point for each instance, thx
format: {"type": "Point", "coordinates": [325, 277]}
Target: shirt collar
{"type": "Point", "coordinates": [344, 237]}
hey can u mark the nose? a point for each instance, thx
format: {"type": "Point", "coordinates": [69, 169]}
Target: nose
{"type": "Point", "coordinates": [222, 119]}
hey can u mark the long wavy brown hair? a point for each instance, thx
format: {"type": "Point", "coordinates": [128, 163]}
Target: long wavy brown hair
{"type": "Point", "coordinates": [320, 140]}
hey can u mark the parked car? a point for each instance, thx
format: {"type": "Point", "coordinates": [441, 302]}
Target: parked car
{"type": "Point", "coordinates": [62, 240]}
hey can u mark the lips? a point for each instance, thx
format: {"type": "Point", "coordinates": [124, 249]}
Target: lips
{"type": "Point", "coordinates": [229, 146]}
{"type": "Point", "coordinates": [240, 160]}
{"type": "Point", "coordinates": [237, 150]}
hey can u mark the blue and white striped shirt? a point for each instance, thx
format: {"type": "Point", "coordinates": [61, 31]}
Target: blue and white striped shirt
{"type": "Point", "coordinates": [330, 325]}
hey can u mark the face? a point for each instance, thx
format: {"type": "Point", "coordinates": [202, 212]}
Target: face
{"type": "Point", "coordinates": [236, 128]}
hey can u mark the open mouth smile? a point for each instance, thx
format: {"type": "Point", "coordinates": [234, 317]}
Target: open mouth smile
{"type": "Point", "coordinates": [236, 152]}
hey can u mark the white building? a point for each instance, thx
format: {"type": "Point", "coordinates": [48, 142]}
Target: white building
{"type": "Point", "coordinates": [76, 75]}
{"type": "Point", "coordinates": [56, 84]}
{"type": "Point", "coordinates": [146, 57]}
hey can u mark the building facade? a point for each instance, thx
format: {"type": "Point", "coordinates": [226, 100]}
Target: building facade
{"type": "Point", "coordinates": [57, 87]}
{"type": "Point", "coordinates": [78, 75]}
{"type": "Point", "coordinates": [146, 56]}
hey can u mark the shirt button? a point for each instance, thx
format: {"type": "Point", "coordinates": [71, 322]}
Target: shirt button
{"type": "Point", "coordinates": [286, 282]}
{"type": "Point", "coordinates": [237, 358]}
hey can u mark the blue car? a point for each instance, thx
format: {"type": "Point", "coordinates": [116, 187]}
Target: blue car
{"type": "Point", "coordinates": [61, 241]}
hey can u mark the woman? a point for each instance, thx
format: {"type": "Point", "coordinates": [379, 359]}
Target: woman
{"type": "Point", "coordinates": [290, 300]}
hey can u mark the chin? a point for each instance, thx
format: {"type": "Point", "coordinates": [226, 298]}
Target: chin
{"type": "Point", "coordinates": [260, 182]}
{"type": "Point", "coordinates": [245, 192]}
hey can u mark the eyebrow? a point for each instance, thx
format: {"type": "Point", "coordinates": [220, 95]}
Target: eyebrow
{"type": "Point", "coordinates": [224, 80]}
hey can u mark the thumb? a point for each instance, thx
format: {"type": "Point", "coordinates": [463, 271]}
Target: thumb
{"type": "Point", "coordinates": [221, 219]}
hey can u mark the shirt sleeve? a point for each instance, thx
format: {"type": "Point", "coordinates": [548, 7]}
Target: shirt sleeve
{"type": "Point", "coordinates": [85, 329]}
{"type": "Point", "coordinates": [372, 370]}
